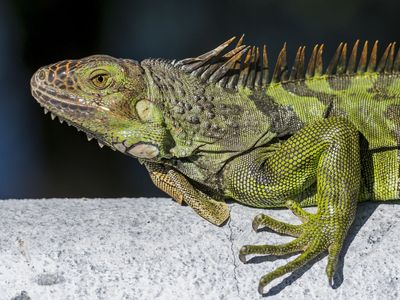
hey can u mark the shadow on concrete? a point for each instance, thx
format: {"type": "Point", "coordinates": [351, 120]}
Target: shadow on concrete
{"type": "Point", "coordinates": [364, 212]}
{"type": "Point", "coordinates": [264, 258]}
{"type": "Point", "coordinates": [293, 277]}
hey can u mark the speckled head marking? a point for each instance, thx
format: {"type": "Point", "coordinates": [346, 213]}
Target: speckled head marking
{"type": "Point", "coordinates": [107, 98]}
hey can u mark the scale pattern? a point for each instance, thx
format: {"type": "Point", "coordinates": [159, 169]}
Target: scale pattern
{"type": "Point", "coordinates": [327, 152]}
{"type": "Point", "coordinates": [221, 125]}
{"type": "Point", "coordinates": [177, 186]}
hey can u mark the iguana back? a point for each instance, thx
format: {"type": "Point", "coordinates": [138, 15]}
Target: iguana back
{"type": "Point", "coordinates": [357, 86]}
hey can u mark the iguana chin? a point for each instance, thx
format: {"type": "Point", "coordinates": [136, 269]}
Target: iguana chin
{"type": "Point", "coordinates": [218, 126]}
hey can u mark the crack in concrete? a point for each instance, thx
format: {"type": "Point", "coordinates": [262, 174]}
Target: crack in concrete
{"type": "Point", "coordinates": [235, 265]}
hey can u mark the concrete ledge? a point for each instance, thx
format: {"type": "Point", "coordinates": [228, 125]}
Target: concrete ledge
{"type": "Point", "coordinates": [154, 249]}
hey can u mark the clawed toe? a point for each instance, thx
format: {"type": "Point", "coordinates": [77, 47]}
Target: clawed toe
{"type": "Point", "coordinates": [242, 254]}
{"type": "Point", "coordinates": [275, 225]}
{"type": "Point", "coordinates": [312, 239]}
{"type": "Point", "coordinates": [260, 288]}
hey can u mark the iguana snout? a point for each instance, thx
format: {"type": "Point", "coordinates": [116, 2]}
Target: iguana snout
{"type": "Point", "coordinates": [99, 82]}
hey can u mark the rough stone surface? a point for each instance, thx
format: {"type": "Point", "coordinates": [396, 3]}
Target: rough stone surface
{"type": "Point", "coordinates": [155, 249]}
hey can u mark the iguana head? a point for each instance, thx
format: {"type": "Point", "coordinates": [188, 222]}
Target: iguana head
{"type": "Point", "coordinates": [106, 98]}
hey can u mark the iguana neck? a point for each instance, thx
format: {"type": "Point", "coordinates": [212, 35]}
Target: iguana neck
{"type": "Point", "coordinates": [186, 108]}
{"type": "Point", "coordinates": [208, 122]}
{"type": "Point", "coordinates": [186, 101]}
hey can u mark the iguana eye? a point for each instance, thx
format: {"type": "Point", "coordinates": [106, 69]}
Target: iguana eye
{"type": "Point", "coordinates": [101, 79]}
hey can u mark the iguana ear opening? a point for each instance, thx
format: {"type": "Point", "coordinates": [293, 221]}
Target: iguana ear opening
{"type": "Point", "coordinates": [147, 111]}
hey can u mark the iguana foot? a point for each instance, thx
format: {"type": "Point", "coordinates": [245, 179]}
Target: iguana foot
{"type": "Point", "coordinates": [178, 187]}
{"type": "Point", "coordinates": [318, 233]}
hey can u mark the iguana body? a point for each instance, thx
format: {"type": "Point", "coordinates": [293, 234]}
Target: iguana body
{"type": "Point", "coordinates": [217, 126]}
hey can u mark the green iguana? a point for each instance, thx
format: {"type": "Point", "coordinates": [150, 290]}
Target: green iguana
{"type": "Point", "coordinates": [218, 127]}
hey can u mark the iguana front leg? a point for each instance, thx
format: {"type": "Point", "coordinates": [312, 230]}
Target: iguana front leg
{"type": "Point", "coordinates": [326, 151]}
{"type": "Point", "coordinates": [178, 187]}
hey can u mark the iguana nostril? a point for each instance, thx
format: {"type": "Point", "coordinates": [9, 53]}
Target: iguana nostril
{"type": "Point", "coordinates": [42, 75]}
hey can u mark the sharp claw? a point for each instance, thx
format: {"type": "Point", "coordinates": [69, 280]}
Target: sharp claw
{"type": "Point", "coordinates": [330, 281]}
{"type": "Point", "coordinates": [242, 254]}
{"type": "Point", "coordinates": [256, 222]}
{"type": "Point", "coordinates": [260, 289]}
{"type": "Point", "coordinates": [255, 225]}
{"type": "Point", "coordinates": [242, 258]}
{"type": "Point", "coordinates": [289, 203]}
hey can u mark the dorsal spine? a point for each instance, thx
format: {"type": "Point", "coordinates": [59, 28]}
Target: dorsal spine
{"type": "Point", "coordinates": [247, 66]}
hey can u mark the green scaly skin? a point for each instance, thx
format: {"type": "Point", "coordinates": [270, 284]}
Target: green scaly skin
{"type": "Point", "coordinates": [329, 140]}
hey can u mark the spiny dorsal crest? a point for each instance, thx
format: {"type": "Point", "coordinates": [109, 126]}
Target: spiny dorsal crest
{"type": "Point", "coordinates": [247, 66]}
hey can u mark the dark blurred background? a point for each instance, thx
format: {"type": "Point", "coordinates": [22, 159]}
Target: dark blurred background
{"type": "Point", "coordinates": [42, 158]}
